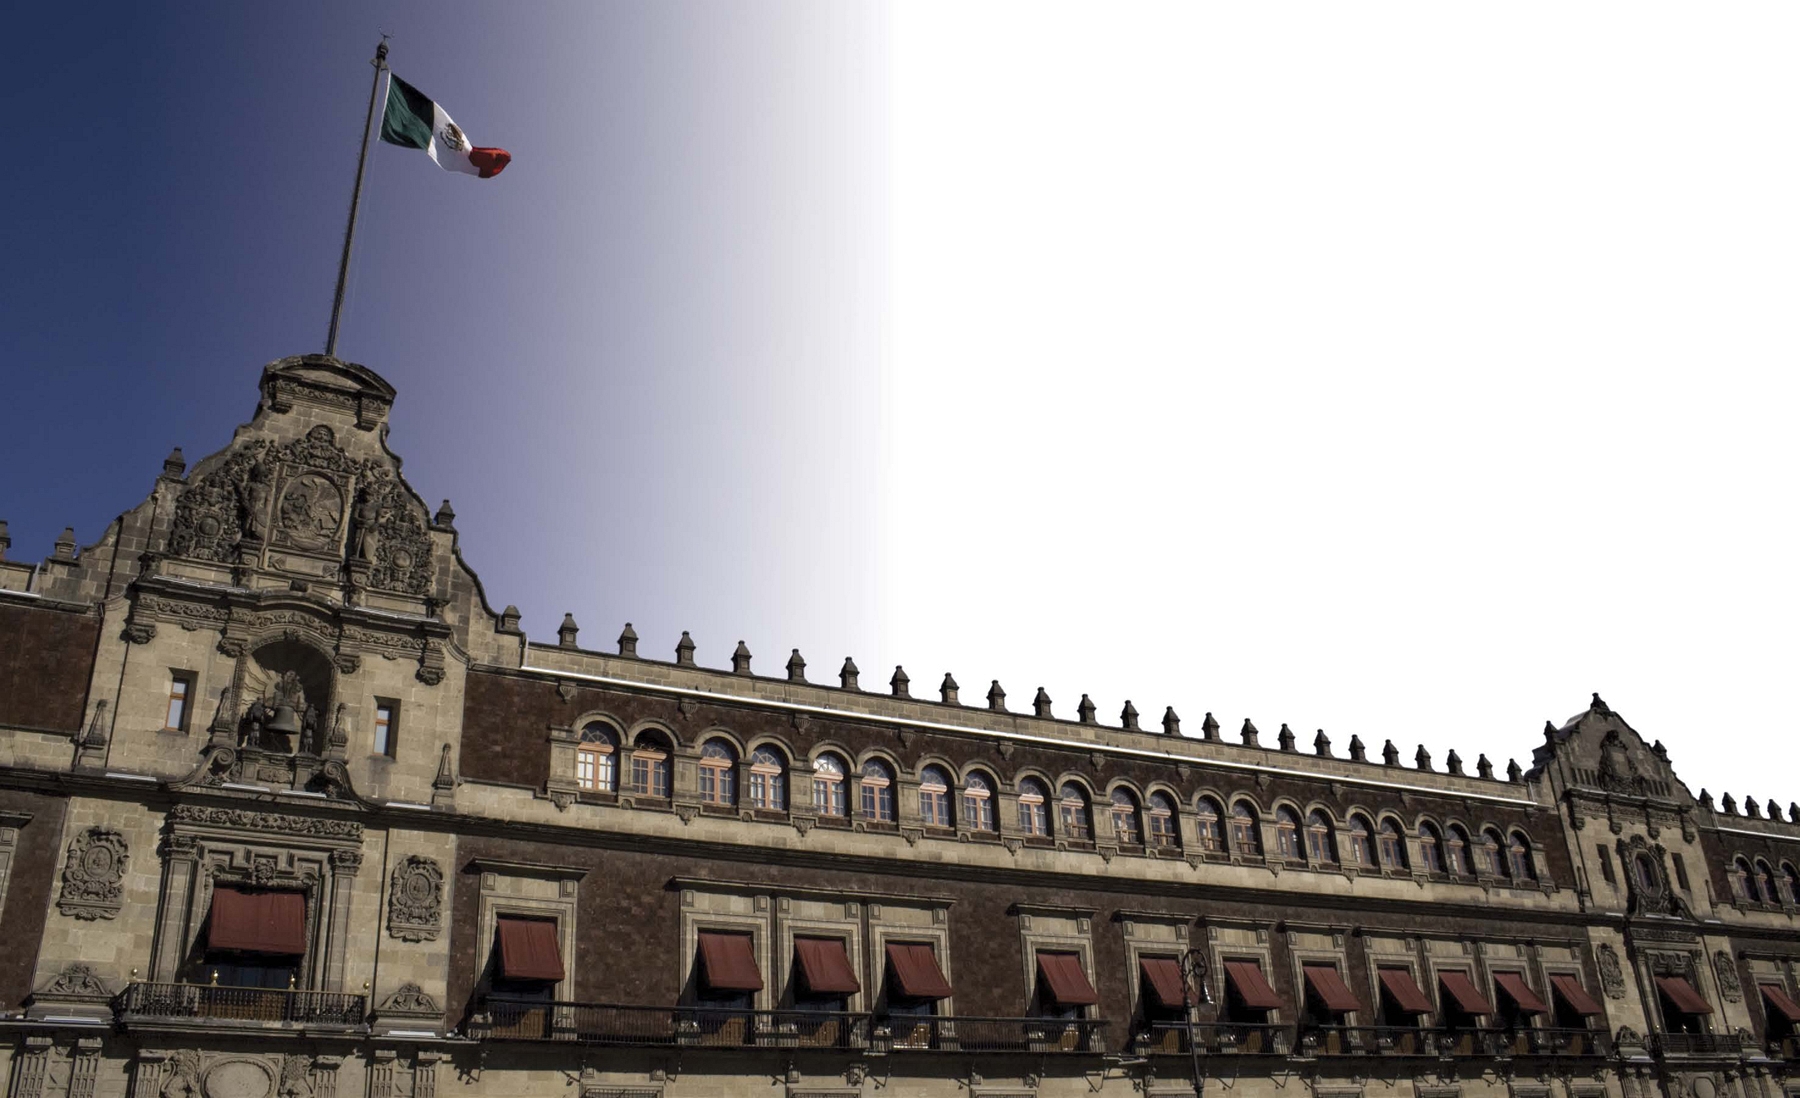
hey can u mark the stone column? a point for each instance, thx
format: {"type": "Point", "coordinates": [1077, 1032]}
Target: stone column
{"type": "Point", "coordinates": [84, 1067]}
{"type": "Point", "coordinates": [344, 867]}
{"type": "Point", "coordinates": [425, 1065]}
{"type": "Point", "coordinates": [325, 1076]}
{"type": "Point", "coordinates": [147, 1073]}
{"type": "Point", "coordinates": [31, 1068]}
{"type": "Point", "coordinates": [381, 1074]}
{"type": "Point", "coordinates": [181, 870]}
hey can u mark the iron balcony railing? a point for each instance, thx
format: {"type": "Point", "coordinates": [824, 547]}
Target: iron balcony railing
{"type": "Point", "coordinates": [1696, 1044]}
{"type": "Point", "coordinates": [501, 1018]}
{"type": "Point", "coordinates": [214, 1002]}
{"type": "Point", "coordinates": [1235, 1038]}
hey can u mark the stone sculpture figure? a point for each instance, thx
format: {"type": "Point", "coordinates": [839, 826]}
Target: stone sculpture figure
{"type": "Point", "coordinates": [256, 501]}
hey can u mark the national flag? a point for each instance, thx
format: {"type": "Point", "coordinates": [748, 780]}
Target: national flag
{"type": "Point", "coordinates": [412, 121]}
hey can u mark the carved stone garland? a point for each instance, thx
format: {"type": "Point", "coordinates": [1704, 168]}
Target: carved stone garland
{"type": "Point", "coordinates": [93, 875]}
{"type": "Point", "coordinates": [416, 900]}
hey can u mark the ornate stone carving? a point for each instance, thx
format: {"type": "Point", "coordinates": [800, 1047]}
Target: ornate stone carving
{"type": "Point", "coordinates": [246, 820]}
{"type": "Point", "coordinates": [311, 513]}
{"type": "Point", "coordinates": [390, 538]}
{"type": "Point", "coordinates": [210, 517]}
{"type": "Point", "coordinates": [183, 1078]}
{"type": "Point", "coordinates": [238, 1077]}
{"type": "Point", "coordinates": [416, 900]}
{"type": "Point", "coordinates": [1612, 977]}
{"type": "Point", "coordinates": [75, 981]}
{"type": "Point", "coordinates": [409, 999]}
{"type": "Point", "coordinates": [140, 632]}
{"type": "Point", "coordinates": [1617, 773]}
{"type": "Point", "coordinates": [296, 1072]}
{"type": "Point", "coordinates": [1728, 977]}
{"type": "Point", "coordinates": [93, 876]}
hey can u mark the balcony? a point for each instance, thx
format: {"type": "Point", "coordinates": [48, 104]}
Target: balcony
{"type": "Point", "coordinates": [1228, 1039]}
{"type": "Point", "coordinates": [262, 1007]}
{"type": "Point", "coordinates": [503, 1019]}
{"type": "Point", "coordinates": [1695, 1044]}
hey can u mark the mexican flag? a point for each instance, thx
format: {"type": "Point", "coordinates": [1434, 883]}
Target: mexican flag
{"type": "Point", "coordinates": [414, 122]}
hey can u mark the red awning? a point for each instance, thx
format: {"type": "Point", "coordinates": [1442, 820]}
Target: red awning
{"type": "Point", "coordinates": [1330, 988]}
{"type": "Point", "coordinates": [1778, 1000]}
{"type": "Point", "coordinates": [1066, 980]}
{"type": "Point", "coordinates": [1162, 975]}
{"type": "Point", "coordinates": [1251, 986]}
{"type": "Point", "coordinates": [826, 967]}
{"type": "Point", "coordinates": [1575, 996]}
{"type": "Point", "coordinates": [528, 949]}
{"type": "Point", "coordinates": [1469, 998]}
{"type": "Point", "coordinates": [727, 963]}
{"type": "Point", "coordinates": [1520, 993]}
{"type": "Point", "coordinates": [250, 921]}
{"type": "Point", "coordinates": [1683, 995]}
{"type": "Point", "coordinates": [916, 971]}
{"type": "Point", "coordinates": [1407, 996]}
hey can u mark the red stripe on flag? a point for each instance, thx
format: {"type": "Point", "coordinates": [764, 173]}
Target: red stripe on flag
{"type": "Point", "coordinates": [489, 162]}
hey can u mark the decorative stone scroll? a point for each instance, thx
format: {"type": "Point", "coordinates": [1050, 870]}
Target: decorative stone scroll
{"type": "Point", "coordinates": [246, 820]}
{"type": "Point", "coordinates": [1612, 977]}
{"type": "Point", "coordinates": [416, 900]}
{"type": "Point", "coordinates": [94, 874]}
{"type": "Point", "coordinates": [1729, 985]}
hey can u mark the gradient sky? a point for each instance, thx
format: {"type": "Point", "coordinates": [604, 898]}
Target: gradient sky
{"type": "Point", "coordinates": [1401, 371]}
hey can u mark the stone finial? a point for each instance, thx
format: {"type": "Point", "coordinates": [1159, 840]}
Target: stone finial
{"type": "Point", "coordinates": [1599, 706]}
{"type": "Point", "coordinates": [1322, 745]}
{"type": "Point", "coordinates": [1453, 762]}
{"type": "Point", "coordinates": [1248, 733]}
{"type": "Point", "coordinates": [445, 519]}
{"type": "Point", "coordinates": [1358, 753]}
{"type": "Point", "coordinates": [565, 633]}
{"type": "Point", "coordinates": [740, 659]}
{"type": "Point", "coordinates": [96, 732]}
{"type": "Point", "coordinates": [1549, 733]}
{"type": "Point", "coordinates": [1209, 727]}
{"type": "Point", "coordinates": [684, 650]}
{"type": "Point", "coordinates": [1774, 809]}
{"type": "Point", "coordinates": [1128, 717]}
{"type": "Point", "coordinates": [5, 539]}
{"type": "Point", "coordinates": [1752, 809]}
{"type": "Point", "coordinates": [796, 667]}
{"type": "Point", "coordinates": [1659, 751]}
{"type": "Point", "coordinates": [1514, 773]}
{"type": "Point", "coordinates": [996, 697]}
{"type": "Point", "coordinates": [65, 544]}
{"type": "Point", "coordinates": [1728, 804]}
{"type": "Point", "coordinates": [1285, 737]}
{"type": "Point", "coordinates": [628, 641]}
{"type": "Point", "coordinates": [1794, 812]}
{"type": "Point", "coordinates": [1483, 768]}
{"type": "Point", "coordinates": [509, 619]}
{"type": "Point", "coordinates": [1171, 721]}
{"type": "Point", "coordinates": [947, 690]}
{"type": "Point", "coordinates": [1390, 755]}
{"type": "Point", "coordinates": [446, 772]}
{"type": "Point", "coordinates": [1040, 705]}
{"type": "Point", "coordinates": [1085, 710]}
{"type": "Point", "coordinates": [1705, 799]}
{"type": "Point", "coordinates": [175, 464]}
{"type": "Point", "coordinates": [847, 675]}
{"type": "Point", "coordinates": [1422, 758]}
{"type": "Point", "coordinates": [900, 684]}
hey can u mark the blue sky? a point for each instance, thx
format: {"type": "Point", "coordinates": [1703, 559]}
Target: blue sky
{"type": "Point", "coordinates": [1407, 372]}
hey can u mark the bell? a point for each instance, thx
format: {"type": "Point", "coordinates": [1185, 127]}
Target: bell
{"type": "Point", "coordinates": [283, 721]}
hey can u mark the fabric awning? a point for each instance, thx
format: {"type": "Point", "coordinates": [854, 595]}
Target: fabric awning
{"type": "Point", "coordinates": [257, 921]}
{"type": "Point", "coordinates": [1683, 995]}
{"type": "Point", "coordinates": [1779, 1002]}
{"type": "Point", "coordinates": [1162, 975]}
{"type": "Point", "coordinates": [826, 967]}
{"type": "Point", "coordinates": [1251, 986]}
{"type": "Point", "coordinates": [1330, 988]}
{"type": "Point", "coordinates": [727, 962]}
{"type": "Point", "coordinates": [1575, 996]}
{"type": "Point", "coordinates": [1468, 997]}
{"type": "Point", "coordinates": [1520, 993]}
{"type": "Point", "coordinates": [528, 949]}
{"type": "Point", "coordinates": [1407, 995]}
{"type": "Point", "coordinates": [1066, 980]}
{"type": "Point", "coordinates": [916, 971]}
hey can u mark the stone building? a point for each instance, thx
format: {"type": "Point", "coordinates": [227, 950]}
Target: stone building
{"type": "Point", "coordinates": [289, 810]}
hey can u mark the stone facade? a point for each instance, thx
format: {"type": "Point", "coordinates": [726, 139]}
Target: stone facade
{"type": "Point", "coordinates": [275, 682]}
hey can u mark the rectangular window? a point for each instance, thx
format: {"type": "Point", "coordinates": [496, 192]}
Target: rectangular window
{"type": "Point", "coordinates": [1681, 876]}
{"type": "Point", "coordinates": [181, 687]}
{"type": "Point", "coordinates": [387, 726]}
{"type": "Point", "coordinates": [1606, 869]}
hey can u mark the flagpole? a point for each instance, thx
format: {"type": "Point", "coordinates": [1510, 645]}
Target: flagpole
{"type": "Point", "coordinates": [337, 300]}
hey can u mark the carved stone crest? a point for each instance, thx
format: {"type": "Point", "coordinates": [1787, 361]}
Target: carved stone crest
{"type": "Point", "coordinates": [1612, 977]}
{"type": "Point", "coordinates": [210, 517]}
{"type": "Point", "coordinates": [1728, 976]}
{"type": "Point", "coordinates": [93, 875]}
{"type": "Point", "coordinates": [390, 538]}
{"type": "Point", "coordinates": [74, 982]}
{"type": "Point", "coordinates": [311, 512]}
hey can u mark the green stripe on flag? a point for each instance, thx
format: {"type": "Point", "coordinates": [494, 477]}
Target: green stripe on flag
{"type": "Point", "coordinates": [407, 120]}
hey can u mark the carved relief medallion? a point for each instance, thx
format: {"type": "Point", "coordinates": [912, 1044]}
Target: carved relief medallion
{"type": "Point", "coordinates": [416, 900]}
{"type": "Point", "coordinates": [93, 875]}
{"type": "Point", "coordinates": [1728, 977]}
{"type": "Point", "coordinates": [311, 512]}
{"type": "Point", "coordinates": [1612, 977]}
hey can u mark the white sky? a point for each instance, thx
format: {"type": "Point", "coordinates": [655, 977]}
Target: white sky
{"type": "Point", "coordinates": [1406, 370]}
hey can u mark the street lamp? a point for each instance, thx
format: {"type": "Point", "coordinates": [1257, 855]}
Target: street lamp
{"type": "Point", "coordinates": [1194, 972]}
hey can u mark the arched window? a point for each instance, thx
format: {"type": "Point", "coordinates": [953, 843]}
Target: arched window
{"type": "Point", "coordinates": [1034, 814]}
{"type": "Point", "coordinates": [1431, 849]}
{"type": "Point", "coordinates": [649, 766]}
{"type": "Point", "coordinates": [978, 804]}
{"type": "Point", "coordinates": [1740, 880]}
{"type": "Point", "coordinates": [1362, 843]}
{"type": "Point", "coordinates": [1209, 826]}
{"type": "Point", "coordinates": [877, 792]}
{"type": "Point", "coordinates": [768, 779]}
{"type": "Point", "coordinates": [1072, 813]}
{"type": "Point", "coordinates": [934, 797]}
{"type": "Point", "coordinates": [1125, 818]}
{"type": "Point", "coordinates": [828, 786]}
{"type": "Point", "coordinates": [718, 773]}
{"type": "Point", "coordinates": [1487, 855]}
{"type": "Point", "coordinates": [1246, 836]}
{"type": "Point", "coordinates": [1320, 850]}
{"type": "Point", "coordinates": [1393, 844]}
{"type": "Point", "coordinates": [1765, 883]}
{"type": "Point", "coordinates": [1287, 833]}
{"type": "Point", "coordinates": [1518, 857]}
{"type": "Point", "coordinates": [1163, 832]}
{"type": "Point", "coordinates": [1790, 881]}
{"type": "Point", "coordinates": [595, 759]}
{"type": "Point", "coordinates": [1456, 851]}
